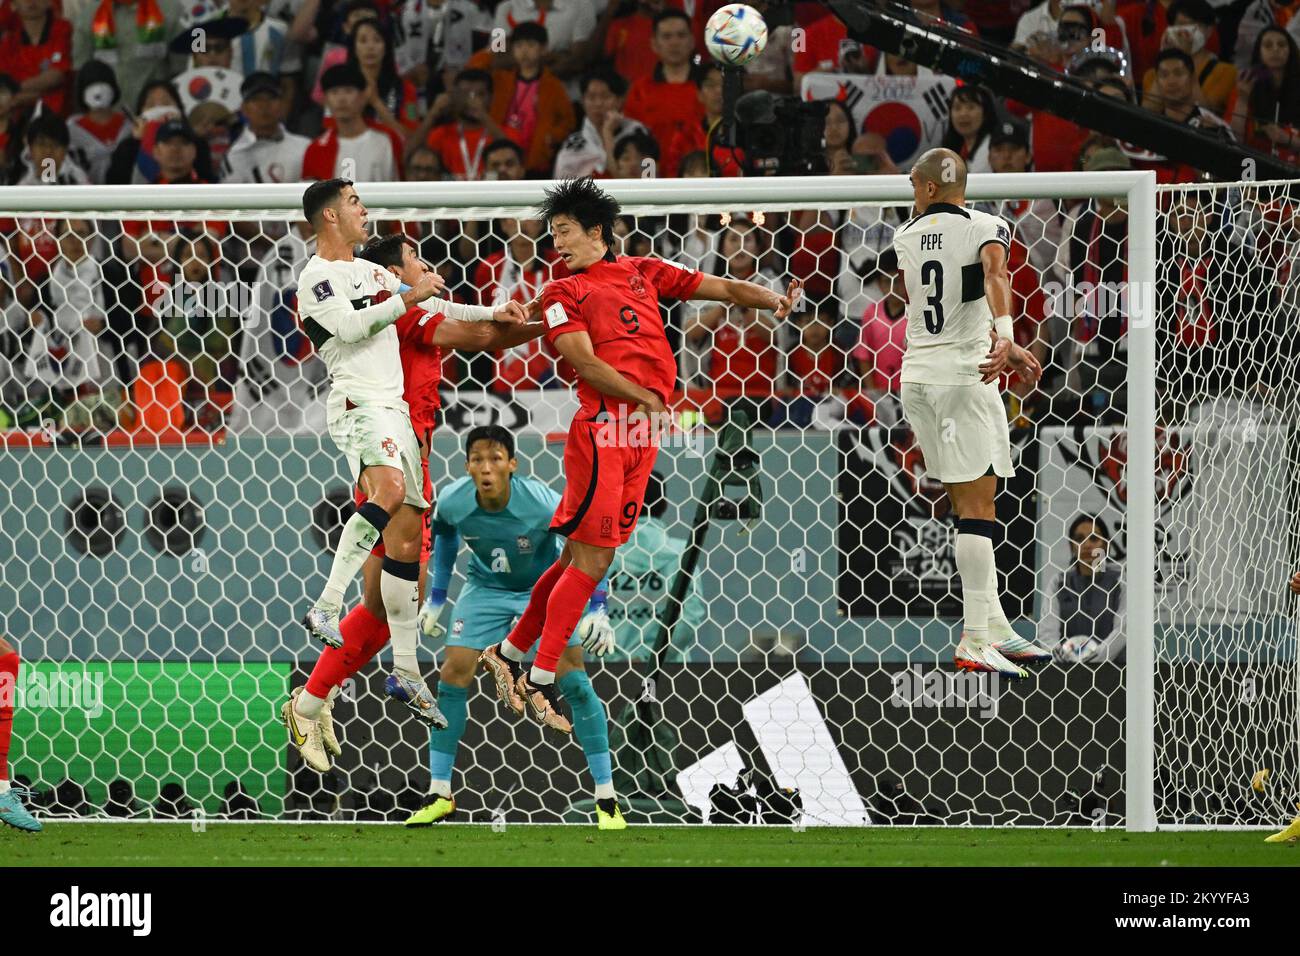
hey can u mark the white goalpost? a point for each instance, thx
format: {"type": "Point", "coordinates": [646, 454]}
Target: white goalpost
{"type": "Point", "coordinates": [168, 498]}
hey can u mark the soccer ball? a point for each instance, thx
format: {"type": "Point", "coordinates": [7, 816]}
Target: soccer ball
{"type": "Point", "coordinates": [735, 34]}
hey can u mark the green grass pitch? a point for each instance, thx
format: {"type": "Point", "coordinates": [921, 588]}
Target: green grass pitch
{"type": "Point", "coordinates": [234, 844]}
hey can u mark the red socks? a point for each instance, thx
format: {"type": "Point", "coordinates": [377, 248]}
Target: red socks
{"type": "Point", "coordinates": [8, 692]}
{"type": "Point", "coordinates": [568, 601]}
{"type": "Point", "coordinates": [525, 633]}
{"type": "Point", "coordinates": [363, 636]}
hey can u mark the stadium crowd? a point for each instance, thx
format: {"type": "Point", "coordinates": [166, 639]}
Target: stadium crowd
{"type": "Point", "coordinates": [132, 325]}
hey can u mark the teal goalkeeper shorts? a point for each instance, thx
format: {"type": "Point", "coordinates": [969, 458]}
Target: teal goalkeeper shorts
{"type": "Point", "coordinates": [484, 616]}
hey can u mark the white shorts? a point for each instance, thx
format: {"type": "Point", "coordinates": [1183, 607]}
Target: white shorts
{"type": "Point", "coordinates": [962, 430]}
{"type": "Point", "coordinates": [376, 435]}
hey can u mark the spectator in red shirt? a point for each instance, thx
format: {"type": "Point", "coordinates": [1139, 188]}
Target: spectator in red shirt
{"type": "Point", "coordinates": [529, 102]}
{"type": "Point", "coordinates": [743, 358]}
{"type": "Point", "coordinates": [816, 363]}
{"type": "Point", "coordinates": [458, 127]}
{"type": "Point", "coordinates": [8, 121]}
{"type": "Point", "coordinates": [668, 101]}
{"type": "Point", "coordinates": [695, 139]}
{"type": "Point", "coordinates": [38, 54]}
{"type": "Point", "coordinates": [518, 273]}
{"type": "Point", "coordinates": [628, 37]}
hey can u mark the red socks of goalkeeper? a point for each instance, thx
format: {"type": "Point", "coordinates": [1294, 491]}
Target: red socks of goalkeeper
{"type": "Point", "coordinates": [363, 637]}
{"type": "Point", "coordinates": [8, 692]}
{"type": "Point", "coordinates": [568, 601]}
{"type": "Point", "coordinates": [524, 634]}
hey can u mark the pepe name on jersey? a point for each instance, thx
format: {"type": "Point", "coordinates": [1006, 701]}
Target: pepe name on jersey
{"type": "Point", "coordinates": [939, 254]}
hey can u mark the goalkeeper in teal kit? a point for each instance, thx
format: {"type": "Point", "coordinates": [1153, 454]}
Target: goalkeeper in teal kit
{"type": "Point", "coordinates": [505, 521]}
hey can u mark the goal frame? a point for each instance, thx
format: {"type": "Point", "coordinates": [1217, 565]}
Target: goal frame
{"type": "Point", "coordinates": [1136, 188]}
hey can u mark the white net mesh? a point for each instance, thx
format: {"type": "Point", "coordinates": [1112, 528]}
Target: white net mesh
{"type": "Point", "coordinates": [170, 498]}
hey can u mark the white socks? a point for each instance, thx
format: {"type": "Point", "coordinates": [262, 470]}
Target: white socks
{"type": "Point", "coordinates": [441, 787]}
{"type": "Point", "coordinates": [604, 791]}
{"type": "Point", "coordinates": [308, 705]}
{"type": "Point", "coordinates": [4, 786]}
{"type": "Point", "coordinates": [399, 585]}
{"type": "Point", "coordinates": [359, 536]}
{"type": "Point", "coordinates": [510, 652]}
{"type": "Point", "coordinates": [975, 566]}
{"type": "Point", "coordinates": [999, 626]}
{"type": "Point", "coordinates": [537, 677]}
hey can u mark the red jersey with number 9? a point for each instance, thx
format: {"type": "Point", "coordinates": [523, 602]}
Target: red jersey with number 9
{"type": "Point", "coordinates": [616, 302]}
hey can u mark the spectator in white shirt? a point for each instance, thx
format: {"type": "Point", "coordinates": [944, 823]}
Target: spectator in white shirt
{"type": "Point", "coordinates": [265, 152]}
{"type": "Point", "coordinates": [587, 152]}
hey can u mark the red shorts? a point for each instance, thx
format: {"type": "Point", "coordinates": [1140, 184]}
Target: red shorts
{"type": "Point", "coordinates": [605, 474]}
{"type": "Point", "coordinates": [426, 536]}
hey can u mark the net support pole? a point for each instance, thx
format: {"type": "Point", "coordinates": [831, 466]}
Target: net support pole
{"type": "Point", "coordinates": [1139, 567]}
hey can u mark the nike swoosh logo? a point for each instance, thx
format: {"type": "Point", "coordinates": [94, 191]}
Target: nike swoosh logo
{"type": "Point", "coordinates": [583, 299]}
{"type": "Point", "coordinates": [298, 736]}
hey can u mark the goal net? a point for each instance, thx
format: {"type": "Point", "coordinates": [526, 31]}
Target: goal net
{"type": "Point", "coordinates": [169, 500]}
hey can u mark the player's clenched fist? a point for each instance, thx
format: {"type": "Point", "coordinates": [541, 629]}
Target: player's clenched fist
{"type": "Point", "coordinates": [512, 313]}
{"type": "Point", "coordinates": [1295, 583]}
{"type": "Point", "coordinates": [427, 286]}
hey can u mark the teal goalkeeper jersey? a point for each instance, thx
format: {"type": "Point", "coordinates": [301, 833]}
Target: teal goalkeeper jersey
{"type": "Point", "coordinates": [509, 549]}
{"type": "Point", "coordinates": [639, 581]}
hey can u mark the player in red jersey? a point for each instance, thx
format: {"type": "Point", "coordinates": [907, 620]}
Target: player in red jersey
{"type": "Point", "coordinates": [422, 333]}
{"type": "Point", "coordinates": [605, 320]}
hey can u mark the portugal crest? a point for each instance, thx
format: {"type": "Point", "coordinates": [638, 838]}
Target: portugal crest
{"type": "Point", "coordinates": [390, 447]}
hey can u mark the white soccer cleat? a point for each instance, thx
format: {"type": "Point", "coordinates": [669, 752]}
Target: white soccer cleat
{"type": "Point", "coordinates": [981, 656]}
{"type": "Point", "coordinates": [305, 735]}
{"type": "Point", "coordinates": [1020, 651]}
{"type": "Point", "coordinates": [326, 721]}
{"type": "Point", "coordinates": [322, 623]}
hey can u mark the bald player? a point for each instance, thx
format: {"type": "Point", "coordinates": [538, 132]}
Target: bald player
{"type": "Point", "coordinates": [954, 265]}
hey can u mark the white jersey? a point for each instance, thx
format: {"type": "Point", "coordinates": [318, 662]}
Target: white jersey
{"type": "Point", "coordinates": [948, 317]}
{"type": "Point", "coordinates": [353, 336]}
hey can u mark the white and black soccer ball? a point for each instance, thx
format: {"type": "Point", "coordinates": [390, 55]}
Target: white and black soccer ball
{"type": "Point", "coordinates": [735, 34]}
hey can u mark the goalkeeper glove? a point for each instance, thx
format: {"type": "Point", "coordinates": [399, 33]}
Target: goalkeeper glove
{"type": "Point", "coordinates": [431, 611]}
{"type": "Point", "coordinates": [594, 630]}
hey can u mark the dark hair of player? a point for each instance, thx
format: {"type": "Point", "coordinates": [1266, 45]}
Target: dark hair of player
{"type": "Point", "coordinates": [530, 30]}
{"type": "Point", "coordinates": [494, 434]}
{"type": "Point", "coordinates": [1098, 526]}
{"type": "Point", "coordinates": [386, 250]}
{"type": "Point", "coordinates": [670, 14]}
{"type": "Point", "coordinates": [321, 194]}
{"type": "Point", "coordinates": [509, 144]}
{"type": "Point", "coordinates": [655, 502]}
{"type": "Point", "coordinates": [617, 85]}
{"type": "Point", "coordinates": [584, 202]}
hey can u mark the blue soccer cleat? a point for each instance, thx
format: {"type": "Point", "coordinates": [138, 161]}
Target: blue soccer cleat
{"type": "Point", "coordinates": [14, 813]}
{"type": "Point", "coordinates": [414, 693]}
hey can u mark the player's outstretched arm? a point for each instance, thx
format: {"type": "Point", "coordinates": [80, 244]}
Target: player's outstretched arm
{"type": "Point", "coordinates": [335, 314]}
{"type": "Point", "coordinates": [603, 377]}
{"type": "Point", "coordinates": [750, 295]}
{"type": "Point", "coordinates": [485, 336]}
